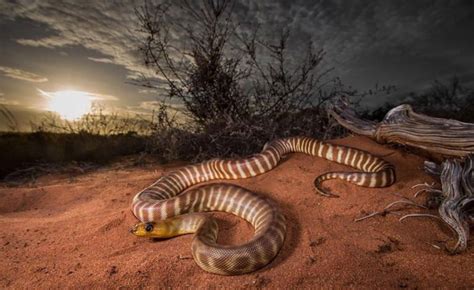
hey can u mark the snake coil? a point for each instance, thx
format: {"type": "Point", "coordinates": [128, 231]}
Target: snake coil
{"type": "Point", "coordinates": [165, 199]}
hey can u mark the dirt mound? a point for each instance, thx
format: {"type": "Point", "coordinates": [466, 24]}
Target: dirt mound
{"type": "Point", "coordinates": [71, 232]}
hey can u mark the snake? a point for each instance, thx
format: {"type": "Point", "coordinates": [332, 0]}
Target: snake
{"type": "Point", "coordinates": [170, 207]}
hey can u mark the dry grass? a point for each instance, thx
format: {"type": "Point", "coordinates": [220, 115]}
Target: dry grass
{"type": "Point", "coordinates": [96, 138]}
{"type": "Point", "coordinates": [21, 150]}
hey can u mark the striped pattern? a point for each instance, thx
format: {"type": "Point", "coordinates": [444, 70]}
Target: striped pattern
{"type": "Point", "coordinates": [162, 200]}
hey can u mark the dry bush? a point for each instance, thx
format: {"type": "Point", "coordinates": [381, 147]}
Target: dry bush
{"type": "Point", "coordinates": [450, 100]}
{"type": "Point", "coordinates": [238, 91]}
{"type": "Point", "coordinates": [96, 137]}
{"type": "Point", "coordinates": [9, 118]}
{"type": "Point", "coordinates": [24, 150]}
{"type": "Point", "coordinates": [96, 122]}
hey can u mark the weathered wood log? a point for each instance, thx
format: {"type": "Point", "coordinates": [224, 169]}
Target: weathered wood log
{"type": "Point", "coordinates": [448, 138]}
{"type": "Point", "coordinates": [457, 207]}
{"type": "Point", "coordinates": [402, 125]}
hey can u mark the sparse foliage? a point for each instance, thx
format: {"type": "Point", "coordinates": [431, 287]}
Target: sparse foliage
{"type": "Point", "coordinates": [238, 91]}
{"type": "Point", "coordinates": [95, 123]}
{"type": "Point", "coordinates": [8, 118]}
{"type": "Point", "coordinates": [450, 99]}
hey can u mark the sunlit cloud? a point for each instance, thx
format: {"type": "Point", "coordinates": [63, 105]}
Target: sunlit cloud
{"type": "Point", "coordinates": [148, 91]}
{"type": "Point", "coordinates": [101, 60]}
{"type": "Point", "coordinates": [149, 105]}
{"type": "Point", "coordinates": [5, 101]}
{"type": "Point", "coordinates": [154, 105]}
{"type": "Point", "coordinates": [19, 74]}
{"type": "Point", "coordinates": [109, 29]}
{"type": "Point", "coordinates": [49, 42]}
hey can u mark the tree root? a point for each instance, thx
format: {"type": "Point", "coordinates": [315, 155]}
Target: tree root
{"type": "Point", "coordinates": [456, 200]}
{"type": "Point", "coordinates": [456, 209]}
{"type": "Point", "coordinates": [387, 209]}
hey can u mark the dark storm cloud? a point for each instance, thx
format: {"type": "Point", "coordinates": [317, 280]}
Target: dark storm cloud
{"type": "Point", "coordinates": [379, 32]}
{"type": "Point", "coordinates": [405, 43]}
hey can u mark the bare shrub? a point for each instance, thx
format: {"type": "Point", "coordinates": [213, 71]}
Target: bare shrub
{"type": "Point", "coordinates": [238, 91]}
{"type": "Point", "coordinates": [96, 122]}
{"type": "Point", "coordinates": [97, 137]}
{"type": "Point", "coordinates": [450, 100]}
{"type": "Point", "coordinates": [9, 118]}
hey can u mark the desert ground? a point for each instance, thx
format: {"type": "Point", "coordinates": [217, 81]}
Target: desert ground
{"type": "Point", "coordinates": [68, 230]}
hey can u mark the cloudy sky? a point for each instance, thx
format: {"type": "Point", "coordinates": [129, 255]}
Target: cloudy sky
{"type": "Point", "coordinates": [51, 46]}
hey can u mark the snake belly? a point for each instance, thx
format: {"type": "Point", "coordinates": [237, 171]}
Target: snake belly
{"type": "Point", "coordinates": [165, 199]}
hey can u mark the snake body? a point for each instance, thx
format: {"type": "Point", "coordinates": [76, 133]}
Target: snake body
{"type": "Point", "coordinates": [164, 200]}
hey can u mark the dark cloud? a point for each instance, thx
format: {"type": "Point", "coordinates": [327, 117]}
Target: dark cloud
{"type": "Point", "coordinates": [353, 30]}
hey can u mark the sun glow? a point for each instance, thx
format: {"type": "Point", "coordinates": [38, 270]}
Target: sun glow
{"type": "Point", "coordinates": [71, 105]}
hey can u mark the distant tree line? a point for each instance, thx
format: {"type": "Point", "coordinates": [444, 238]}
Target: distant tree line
{"type": "Point", "coordinates": [444, 99]}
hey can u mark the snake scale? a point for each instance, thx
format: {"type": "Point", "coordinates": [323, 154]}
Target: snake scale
{"type": "Point", "coordinates": [165, 209]}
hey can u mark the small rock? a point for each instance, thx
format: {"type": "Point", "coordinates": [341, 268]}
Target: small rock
{"type": "Point", "coordinates": [385, 248]}
{"type": "Point", "coordinates": [317, 242]}
{"type": "Point", "coordinates": [402, 285]}
{"type": "Point", "coordinates": [311, 260]}
{"type": "Point", "coordinates": [113, 270]}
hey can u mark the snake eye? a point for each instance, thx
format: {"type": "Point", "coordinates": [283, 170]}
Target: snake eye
{"type": "Point", "coordinates": [148, 227]}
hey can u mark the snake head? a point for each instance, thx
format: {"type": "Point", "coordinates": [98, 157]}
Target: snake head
{"type": "Point", "coordinates": [151, 230]}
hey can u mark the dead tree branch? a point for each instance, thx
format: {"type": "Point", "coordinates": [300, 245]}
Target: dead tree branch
{"type": "Point", "coordinates": [402, 125]}
{"type": "Point", "coordinates": [446, 137]}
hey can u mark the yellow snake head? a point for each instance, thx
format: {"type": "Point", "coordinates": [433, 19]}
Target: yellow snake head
{"type": "Point", "coordinates": [152, 230]}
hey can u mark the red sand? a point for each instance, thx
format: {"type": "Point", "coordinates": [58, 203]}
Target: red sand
{"type": "Point", "coordinates": [73, 232]}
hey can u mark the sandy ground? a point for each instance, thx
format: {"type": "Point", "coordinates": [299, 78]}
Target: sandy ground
{"type": "Point", "coordinates": [73, 232]}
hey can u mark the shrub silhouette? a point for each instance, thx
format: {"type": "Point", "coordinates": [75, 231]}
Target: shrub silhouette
{"type": "Point", "coordinates": [449, 99]}
{"type": "Point", "coordinates": [96, 138]}
{"type": "Point", "coordinates": [237, 91]}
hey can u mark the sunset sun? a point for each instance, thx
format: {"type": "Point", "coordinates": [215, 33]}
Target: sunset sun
{"type": "Point", "coordinates": [69, 104]}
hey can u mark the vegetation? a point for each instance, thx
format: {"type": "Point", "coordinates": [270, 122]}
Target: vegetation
{"type": "Point", "coordinates": [19, 150]}
{"type": "Point", "coordinates": [238, 91]}
{"type": "Point", "coordinates": [97, 137]}
{"type": "Point", "coordinates": [450, 99]}
{"type": "Point", "coordinates": [235, 92]}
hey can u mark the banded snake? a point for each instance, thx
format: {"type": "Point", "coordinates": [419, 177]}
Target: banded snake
{"type": "Point", "coordinates": [166, 210]}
